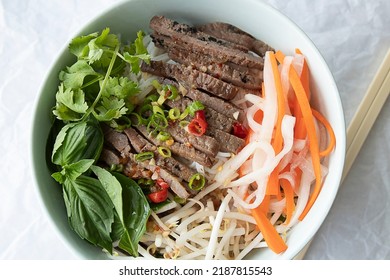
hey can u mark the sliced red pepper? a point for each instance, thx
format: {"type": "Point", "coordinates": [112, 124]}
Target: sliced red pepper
{"type": "Point", "coordinates": [162, 184]}
{"type": "Point", "coordinates": [200, 114]}
{"type": "Point", "coordinates": [197, 126]}
{"type": "Point", "coordinates": [158, 196]}
{"type": "Point", "coordinates": [239, 130]}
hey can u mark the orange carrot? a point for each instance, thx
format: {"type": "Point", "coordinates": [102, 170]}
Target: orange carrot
{"type": "Point", "coordinates": [289, 195]}
{"type": "Point", "coordinates": [277, 144]}
{"type": "Point", "coordinates": [332, 137]}
{"type": "Point", "coordinates": [280, 56]}
{"type": "Point", "coordinates": [307, 115]}
{"type": "Point", "coordinates": [271, 236]}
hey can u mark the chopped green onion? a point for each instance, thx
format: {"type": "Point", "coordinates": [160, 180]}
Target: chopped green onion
{"type": "Point", "coordinates": [156, 84]}
{"type": "Point", "coordinates": [158, 121]}
{"type": "Point", "coordinates": [120, 124]}
{"type": "Point", "coordinates": [116, 168]}
{"type": "Point", "coordinates": [163, 136]}
{"type": "Point", "coordinates": [171, 92]}
{"type": "Point", "coordinates": [145, 110]}
{"type": "Point", "coordinates": [161, 99]}
{"type": "Point", "coordinates": [158, 110]}
{"type": "Point", "coordinates": [184, 114]}
{"type": "Point", "coordinates": [151, 98]}
{"type": "Point", "coordinates": [183, 124]}
{"type": "Point", "coordinates": [144, 156]}
{"type": "Point", "coordinates": [174, 113]}
{"type": "Point", "coordinates": [180, 200]}
{"type": "Point", "coordinates": [197, 182]}
{"type": "Point", "coordinates": [195, 106]}
{"type": "Point", "coordinates": [165, 152]}
{"type": "Point", "coordinates": [140, 120]}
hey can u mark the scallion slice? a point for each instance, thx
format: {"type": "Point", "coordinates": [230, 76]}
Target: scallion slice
{"type": "Point", "coordinates": [165, 152]}
{"type": "Point", "coordinates": [144, 156]}
{"type": "Point", "coordinates": [197, 182]}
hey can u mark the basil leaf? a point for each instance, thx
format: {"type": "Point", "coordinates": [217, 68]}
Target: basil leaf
{"type": "Point", "coordinates": [54, 131]}
{"type": "Point", "coordinates": [76, 141]}
{"type": "Point", "coordinates": [90, 210]}
{"type": "Point", "coordinates": [69, 144]}
{"type": "Point", "coordinates": [94, 138]}
{"type": "Point", "coordinates": [112, 187]}
{"type": "Point", "coordinates": [136, 212]}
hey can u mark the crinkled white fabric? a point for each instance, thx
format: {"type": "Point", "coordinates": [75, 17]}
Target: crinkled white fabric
{"type": "Point", "coordinates": [352, 35]}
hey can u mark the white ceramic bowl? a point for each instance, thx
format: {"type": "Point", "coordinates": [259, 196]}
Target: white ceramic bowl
{"type": "Point", "coordinates": [256, 18]}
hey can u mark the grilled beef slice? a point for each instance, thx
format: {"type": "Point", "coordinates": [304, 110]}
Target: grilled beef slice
{"type": "Point", "coordinates": [140, 144]}
{"type": "Point", "coordinates": [182, 150]}
{"type": "Point", "coordinates": [249, 78]}
{"type": "Point", "coordinates": [221, 54]}
{"type": "Point", "coordinates": [204, 143]}
{"type": "Point", "coordinates": [221, 106]}
{"type": "Point", "coordinates": [194, 79]}
{"type": "Point", "coordinates": [116, 140]}
{"type": "Point", "coordinates": [229, 142]}
{"type": "Point", "coordinates": [235, 35]}
{"type": "Point", "coordinates": [213, 118]}
{"type": "Point", "coordinates": [174, 182]}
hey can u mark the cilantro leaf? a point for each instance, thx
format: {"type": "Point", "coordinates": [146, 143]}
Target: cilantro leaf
{"type": "Point", "coordinates": [94, 48]}
{"type": "Point", "coordinates": [79, 45]}
{"type": "Point", "coordinates": [73, 77]}
{"type": "Point", "coordinates": [70, 105]}
{"type": "Point", "coordinates": [99, 48]}
{"type": "Point", "coordinates": [110, 108]}
{"type": "Point", "coordinates": [137, 52]}
{"type": "Point", "coordinates": [120, 87]}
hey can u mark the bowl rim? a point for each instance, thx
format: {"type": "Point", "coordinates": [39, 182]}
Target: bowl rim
{"type": "Point", "coordinates": [341, 140]}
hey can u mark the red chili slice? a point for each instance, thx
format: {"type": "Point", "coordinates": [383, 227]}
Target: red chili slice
{"type": "Point", "coordinates": [239, 130]}
{"type": "Point", "coordinates": [197, 126]}
{"type": "Point", "coordinates": [162, 184]}
{"type": "Point", "coordinates": [158, 196]}
{"type": "Point", "coordinates": [200, 114]}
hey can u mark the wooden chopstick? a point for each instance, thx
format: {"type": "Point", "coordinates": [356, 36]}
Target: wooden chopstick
{"type": "Point", "coordinates": [367, 113]}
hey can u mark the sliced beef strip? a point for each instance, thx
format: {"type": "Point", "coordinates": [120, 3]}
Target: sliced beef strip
{"type": "Point", "coordinates": [194, 79]}
{"type": "Point", "coordinates": [250, 78]}
{"type": "Point", "coordinates": [134, 170]}
{"type": "Point", "coordinates": [221, 106]}
{"type": "Point", "coordinates": [140, 144]}
{"type": "Point", "coordinates": [213, 118]}
{"type": "Point", "coordinates": [174, 182]}
{"type": "Point", "coordinates": [229, 142]}
{"type": "Point", "coordinates": [109, 157]}
{"type": "Point", "coordinates": [221, 54]}
{"type": "Point", "coordinates": [180, 149]}
{"type": "Point", "coordinates": [117, 140]}
{"type": "Point", "coordinates": [235, 35]}
{"type": "Point", "coordinates": [204, 143]}
{"type": "Point", "coordinates": [185, 29]}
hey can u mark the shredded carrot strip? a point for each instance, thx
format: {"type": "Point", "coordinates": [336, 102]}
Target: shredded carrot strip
{"type": "Point", "coordinates": [271, 236]}
{"type": "Point", "coordinates": [304, 105]}
{"type": "Point", "coordinates": [280, 56]}
{"type": "Point", "coordinates": [332, 137]}
{"type": "Point", "coordinates": [264, 206]}
{"type": "Point", "coordinates": [289, 195]}
{"type": "Point", "coordinates": [277, 144]}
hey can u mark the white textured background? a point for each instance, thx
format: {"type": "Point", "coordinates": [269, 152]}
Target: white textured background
{"type": "Point", "coordinates": [352, 35]}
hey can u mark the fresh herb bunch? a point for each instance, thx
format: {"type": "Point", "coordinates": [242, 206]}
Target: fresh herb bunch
{"type": "Point", "coordinates": [102, 206]}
